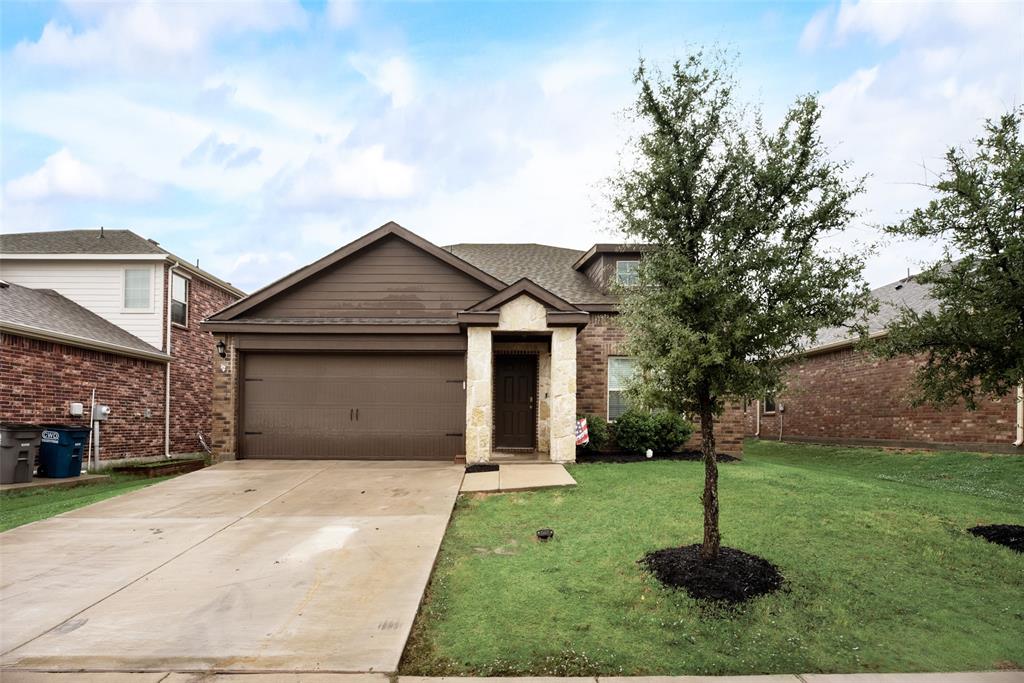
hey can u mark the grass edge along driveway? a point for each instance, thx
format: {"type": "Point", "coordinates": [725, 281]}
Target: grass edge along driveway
{"type": "Point", "coordinates": [881, 575]}
{"type": "Point", "coordinates": [31, 505]}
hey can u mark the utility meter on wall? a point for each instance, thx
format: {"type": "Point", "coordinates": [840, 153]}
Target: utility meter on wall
{"type": "Point", "coordinates": [100, 412]}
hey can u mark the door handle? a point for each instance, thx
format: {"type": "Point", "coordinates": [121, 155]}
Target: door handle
{"type": "Point", "coordinates": [357, 414]}
{"type": "Point", "coordinates": [351, 413]}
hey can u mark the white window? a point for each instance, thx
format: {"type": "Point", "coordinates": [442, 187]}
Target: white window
{"type": "Point", "coordinates": [620, 371]}
{"type": "Point", "coordinates": [626, 272]}
{"type": "Point", "coordinates": [136, 289]}
{"type": "Point", "coordinates": [179, 299]}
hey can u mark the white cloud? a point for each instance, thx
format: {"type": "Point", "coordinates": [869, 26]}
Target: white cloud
{"type": "Point", "coordinates": [138, 35]}
{"type": "Point", "coordinates": [564, 74]}
{"type": "Point", "coordinates": [815, 30]}
{"type": "Point", "coordinates": [64, 176]}
{"type": "Point", "coordinates": [393, 76]}
{"type": "Point", "coordinates": [341, 13]}
{"type": "Point", "coordinates": [332, 175]}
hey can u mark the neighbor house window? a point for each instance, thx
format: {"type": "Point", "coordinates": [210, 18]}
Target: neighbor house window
{"type": "Point", "coordinates": [136, 289]}
{"type": "Point", "coordinates": [179, 299]}
{"type": "Point", "coordinates": [769, 403]}
{"type": "Point", "coordinates": [620, 371]}
{"type": "Point", "coordinates": [626, 272]}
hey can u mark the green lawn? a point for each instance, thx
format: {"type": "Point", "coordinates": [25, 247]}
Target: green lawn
{"type": "Point", "coordinates": [22, 507]}
{"type": "Point", "coordinates": [881, 575]}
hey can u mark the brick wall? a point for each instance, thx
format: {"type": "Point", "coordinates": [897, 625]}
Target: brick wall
{"type": "Point", "coordinates": [848, 396]}
{"type": "Point", "coordinates": [192, 372]}
{"type": "Point", "coordinates": [602, 338]}
{"type": "Point", "coordinates": [38, 380]}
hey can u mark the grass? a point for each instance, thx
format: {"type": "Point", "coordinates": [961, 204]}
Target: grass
{"type": "Point", "coordinates": [31, 505]}
{"type": "Point", "coordinates": [881, 574]}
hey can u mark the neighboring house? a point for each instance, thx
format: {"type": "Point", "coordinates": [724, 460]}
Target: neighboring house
{"type": "Point", "coordinates": [393, 347]}
{"type": "Point", "coordinates": [148, 299]}
{"type": "Point", "coordinates": [839, 394]}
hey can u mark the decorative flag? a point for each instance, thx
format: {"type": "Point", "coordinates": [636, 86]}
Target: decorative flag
{"type": "Point", "coordinates": [582, 435]}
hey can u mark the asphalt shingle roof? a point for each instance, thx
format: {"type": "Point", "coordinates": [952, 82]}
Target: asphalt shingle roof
{"type": "Point", "coordinates": [549, 267]}
{"type": "Point", "coordinates": [78, 242]}
{"type": "Point", "coordinates": [892, 298]}
{"type": "Point", "coordinates": [48, 311]}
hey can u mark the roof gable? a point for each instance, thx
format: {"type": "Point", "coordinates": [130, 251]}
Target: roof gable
{"type": "Point", "coordinates": [524, 286]}
{"type": "Point", "coordinates": [263, 300]}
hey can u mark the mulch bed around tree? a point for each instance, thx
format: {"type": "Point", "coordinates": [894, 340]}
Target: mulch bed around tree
{"type": "Point", "coordinates": [734, 577]}
{"type": "Point", "coordinates": [1010, 535]}
{"type": "Point", "coordinates": [623, 456]}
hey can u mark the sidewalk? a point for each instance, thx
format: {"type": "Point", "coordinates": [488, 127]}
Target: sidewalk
{"type": "Point", "coordinates": [11, 676]}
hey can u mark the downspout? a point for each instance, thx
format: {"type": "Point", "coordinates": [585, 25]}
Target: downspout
{"type": "Point", "coordinates": [167, 348]}
{"type": "Point", "coordinates": [757, 419]}
{"type": "Point", "coordinates": [1020, 416]}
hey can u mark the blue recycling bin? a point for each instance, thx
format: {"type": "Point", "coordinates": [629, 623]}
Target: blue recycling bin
{"type": "Point", "coordinates": [60, 451]}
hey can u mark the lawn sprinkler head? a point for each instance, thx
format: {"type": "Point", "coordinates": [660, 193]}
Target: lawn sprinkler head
{"type": "Point", "coordinates": [545, 534]}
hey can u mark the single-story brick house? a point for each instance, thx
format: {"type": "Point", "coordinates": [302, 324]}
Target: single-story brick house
{"type": "Point", "coordinates": [839, 394]}
{"type": "Point", "coordinates": [110, 311]}
{"type": "Point", "coordinates": [393, 347]}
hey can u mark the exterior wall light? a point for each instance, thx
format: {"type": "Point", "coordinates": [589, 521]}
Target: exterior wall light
{"type": "Point", "coordinates": [222, 349]}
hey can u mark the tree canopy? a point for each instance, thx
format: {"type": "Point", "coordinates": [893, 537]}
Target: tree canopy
{"type": "Point", "coordinates": [973, 341]}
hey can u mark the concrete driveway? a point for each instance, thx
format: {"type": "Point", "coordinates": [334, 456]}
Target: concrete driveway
{"type": "Point", "coordinates": [246, 566]}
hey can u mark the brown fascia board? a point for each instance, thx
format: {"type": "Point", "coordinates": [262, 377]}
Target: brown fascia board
{"type": "Point", "coordinates": [478, 318]}
{"type": "Point", "coordinates": [243, 327]}
{"type": "Point", "coordinates": [578, 320]}
{"type": "Point", "coordinates": [587, 257]}
{"type": "Point", "coordinates": [386, 230]}
{"type": "Point", "coordinates": [598, 308]}
{"type": "Point", "coordinates": [520, 287]}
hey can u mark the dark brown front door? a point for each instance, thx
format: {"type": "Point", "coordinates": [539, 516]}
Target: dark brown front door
{"type": "Point", "coordinates": [353, 406]}
{"type": "Point", "coordinates": [515, 408]}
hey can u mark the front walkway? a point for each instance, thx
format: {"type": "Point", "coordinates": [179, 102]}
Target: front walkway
{"type": "Point", "coordinates": [517, 477]}
{"type": "Point", "coordinates": [246, 566]}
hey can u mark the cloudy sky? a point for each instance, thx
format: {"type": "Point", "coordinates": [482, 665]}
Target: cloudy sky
{"type": "Point", "coordinates": [258, 137]}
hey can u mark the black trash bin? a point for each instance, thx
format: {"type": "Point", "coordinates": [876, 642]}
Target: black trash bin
{"type": "Point", "coordinates": [61, 449]}
{"type": "Point", "coordinates": [19, 448]}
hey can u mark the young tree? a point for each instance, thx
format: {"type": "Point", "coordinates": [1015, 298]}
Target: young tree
{"type": "Point", "coordinates": [973, 343]}
{"type": "Point", "coordinates": [736, 279]}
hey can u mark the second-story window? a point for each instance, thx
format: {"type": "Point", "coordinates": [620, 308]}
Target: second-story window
{"type": "Point", "coordinates": [179, 299]}
{"type": "Point", "coordinates": [136, 289]}
{"type": "Point", "coordinates": [626, 272]}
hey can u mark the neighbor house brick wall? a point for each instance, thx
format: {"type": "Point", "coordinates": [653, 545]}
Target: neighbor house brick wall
{"type": "Point", "coordinates": [602, 338]}
{"type": "Point", "coordinates": [39, 379]}
{"type": "Point", "coordinates": [192, 371]}
{"type": "Point", "coordinates": [848, 396]}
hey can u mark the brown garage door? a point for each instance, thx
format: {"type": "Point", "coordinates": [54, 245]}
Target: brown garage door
{"type": "Point", "coordinates": [323, 406]}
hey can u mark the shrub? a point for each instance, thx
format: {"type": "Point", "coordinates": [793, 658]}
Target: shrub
{"type": "Point", "coordinates": [671, 430]}
{"type": "Point", "coordinates": [661, 431]}
{"type": "Point", "coordinates": [597, 428]}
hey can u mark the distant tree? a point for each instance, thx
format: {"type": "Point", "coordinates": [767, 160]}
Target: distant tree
{"type": "Point", "coordinates": [736, 280]}
{"type": "Point", "coordinates": [973, 344]}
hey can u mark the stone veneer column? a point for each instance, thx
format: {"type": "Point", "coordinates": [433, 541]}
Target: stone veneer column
{"type": "Point", "coordinates": [563, 394]}
{"type": "Point", "coordinates": [225, 400]}
{"type": "Point", "coordinates": [478, 394]}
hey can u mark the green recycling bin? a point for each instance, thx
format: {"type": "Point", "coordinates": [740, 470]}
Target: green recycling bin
{"type": "Point", "coordinates": [61, 449]}
{"type": "Point", "coordinates": [19, 448]}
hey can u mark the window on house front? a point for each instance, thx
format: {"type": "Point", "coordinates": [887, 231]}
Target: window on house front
{"type": "Point", "coordinates": [769, 403]}
{"type": "Point", "coordinates": [179, 299]}
{"type": "Point", "coordinates": [626, 272]}
{"type": "Point", "coordinates": [620, 371]}
{"type": "Point", "coordinates": [136, 289]}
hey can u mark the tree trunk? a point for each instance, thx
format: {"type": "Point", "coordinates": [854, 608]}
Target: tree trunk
{"type": "Point", "coordinates": [712, 538]}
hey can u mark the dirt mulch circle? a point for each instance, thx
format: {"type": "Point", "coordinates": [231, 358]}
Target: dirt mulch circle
{"type": "Point", "coordinates": [1010, 535]}
{"type": "Point", "coordinates": [733, 578]}
{"type": "Point", "coordinates": [623, 456]}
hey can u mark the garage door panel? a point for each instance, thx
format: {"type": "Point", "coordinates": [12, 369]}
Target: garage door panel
{"type": "Point", "coordinates": [324, 406]}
